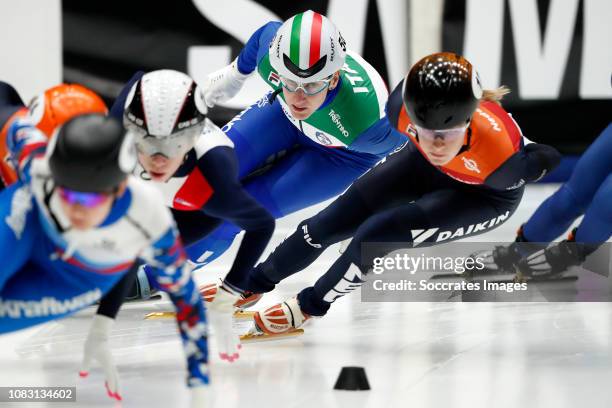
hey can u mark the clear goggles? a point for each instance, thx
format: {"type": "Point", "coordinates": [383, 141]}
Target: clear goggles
{"type": "Point", "coordinates": [176, 144]}
{"type": "Point", "coordinates": [445, 134]}
{"type": "Point", "coordinates": [89, 200]}
{"type": "Point", "coordinates": [309, 88]}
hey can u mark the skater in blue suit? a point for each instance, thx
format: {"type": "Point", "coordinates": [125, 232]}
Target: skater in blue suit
{"type": "Point", "coordinates": [588, 192]}
{"type": "Point", "coordinates": [75, 223]}
{"type": "Point", "coordinates": [322, 126]}
{"type": "Point", "coordinates": [329, 124]}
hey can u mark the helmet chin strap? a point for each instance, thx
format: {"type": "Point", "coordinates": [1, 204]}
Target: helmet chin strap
{"type": "Point", "coordinates": [274, 94]}
{"type": "Point", "coordinates": [466, 146]}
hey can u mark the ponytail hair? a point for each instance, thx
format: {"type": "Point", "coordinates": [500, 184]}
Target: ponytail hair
{"type": "Point", "coordinates": [495, 95]}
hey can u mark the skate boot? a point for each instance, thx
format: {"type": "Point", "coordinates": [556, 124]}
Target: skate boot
{"type": "Point", "coordinates": [280, 319]}
{"type": "Point", "coordinates": [552, 261]}
{"type": "Point", "coordinates": [142, 288]}
{"type": "Point", "coordinates": [503, 259]}
{"type": "Point", "coordinates": [209, 293]}
{"type": "Point", "coordinates": [246, 299]}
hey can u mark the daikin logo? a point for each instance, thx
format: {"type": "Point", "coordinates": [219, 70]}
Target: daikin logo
{"type": "Point", "coordinates": [420, 235]}
{"type": "Point", "coordinates": [472, 228]}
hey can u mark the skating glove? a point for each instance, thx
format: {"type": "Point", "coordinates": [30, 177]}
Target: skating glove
{"type": "Point", "coordinates": [97, 348]}
{"type": "Point", "coordinates": [223, 84]}
{"type": "Point", "coordinates": [221, 313]}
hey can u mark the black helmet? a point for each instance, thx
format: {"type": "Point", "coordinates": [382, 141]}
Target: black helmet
{"type": "Point", "coordinates": [441, 91]}
{"type": "Point", "coordinates": [90, 153]}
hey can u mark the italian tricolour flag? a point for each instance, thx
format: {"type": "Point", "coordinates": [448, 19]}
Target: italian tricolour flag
{"type": "Point", "coordinates": [305, 45]}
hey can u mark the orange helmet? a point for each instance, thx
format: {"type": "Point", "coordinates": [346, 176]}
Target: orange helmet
{"type": "Point", "coordinates": [58, 104]}
{"type": "Point", "coordinates": [48, 111]}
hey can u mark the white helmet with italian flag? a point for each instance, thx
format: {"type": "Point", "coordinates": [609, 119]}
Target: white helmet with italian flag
{"type": "Point", "coordinates": [307, 48]}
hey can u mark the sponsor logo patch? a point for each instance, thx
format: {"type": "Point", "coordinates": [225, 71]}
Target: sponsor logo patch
{"type": "Point", "coordinates": [273, 78]}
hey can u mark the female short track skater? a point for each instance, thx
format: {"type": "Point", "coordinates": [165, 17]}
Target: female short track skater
{"type": "Point", "coordinates": [325, 118]}
{"type": "Point", "coordinates": [462, 174]}
{"type": "Point", "coordinates": [192, 162]}
{"type": "Point", "coordinates": [74, 224]}
{"type": "Point", "coordinates": [323, 123]}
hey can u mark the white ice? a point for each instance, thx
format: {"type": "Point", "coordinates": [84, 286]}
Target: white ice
{"type": "Point", "coordinates": [415, 354]}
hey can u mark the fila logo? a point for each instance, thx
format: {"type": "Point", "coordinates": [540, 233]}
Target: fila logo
{"type": "Point", "coordinates": [471, 165]}
{"type": "Point", "coordinates": [274, 78]}
{"type": "Point", "coordinates": [308, 239]}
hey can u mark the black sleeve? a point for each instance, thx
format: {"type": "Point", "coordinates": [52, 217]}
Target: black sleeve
{"type": "Point", "coordinates": [116, 111]}
{"type": "Point", "coordinates": [194, 225]}
{"type": "Point", "coordinates": [232, 203]}
{"type": "Point", "coordinates": [531, 163]}
{"type": "Point", "coordinates": [112, 301]}
{"type": "Point", "coordinates": [394, 104]}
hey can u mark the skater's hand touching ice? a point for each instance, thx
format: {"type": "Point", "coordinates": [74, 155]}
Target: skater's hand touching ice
{"type": "Point", "coordinates": [221, 316]}
{"type": "Point", "coordinates": [97, 348]}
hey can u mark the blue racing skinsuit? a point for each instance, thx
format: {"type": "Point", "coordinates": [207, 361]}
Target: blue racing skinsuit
{"type": "Point", "coordinates": [51, 270]}
{"type": "Point", "coordinates": [312, 160]}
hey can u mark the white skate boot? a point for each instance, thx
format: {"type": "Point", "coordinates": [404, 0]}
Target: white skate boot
{"type": "Point", "coordinates": [246, 300]}
{"type": "Point", "coordinates": [281, 319]}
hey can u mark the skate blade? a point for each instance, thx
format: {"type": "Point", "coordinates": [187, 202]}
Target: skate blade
{"type": "Point", "coordinates": [238, 315]}
{"type": "Point", "coordinates": [160, 315]}
{"type": "Point", "coordinates": [254, 338]}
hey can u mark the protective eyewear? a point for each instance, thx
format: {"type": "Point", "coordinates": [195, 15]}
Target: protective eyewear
{"type": "Point", "coordinates": [444, 134]}
{"type": "Point", "coordinates": [89, 200]}
{"type": "Point", "coordinates": [309, 88]}
{"type": "Point", "coordinates": [176, 144]}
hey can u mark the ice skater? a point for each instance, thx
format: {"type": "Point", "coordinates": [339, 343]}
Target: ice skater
{"type": "Point", "coordinates": [46, 111]}
{"type": "Point", "coordinates": [321, 128]}
{"type": "Point", "coordinates": [192, 163]}
{"type": "Point", "coordinates": [74, 223]}
{"type": "Point", "coordinates": [463, 172]}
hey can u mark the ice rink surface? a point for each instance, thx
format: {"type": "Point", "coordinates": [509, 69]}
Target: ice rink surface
{"type": "Point", "coordinates": [436, 355]}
